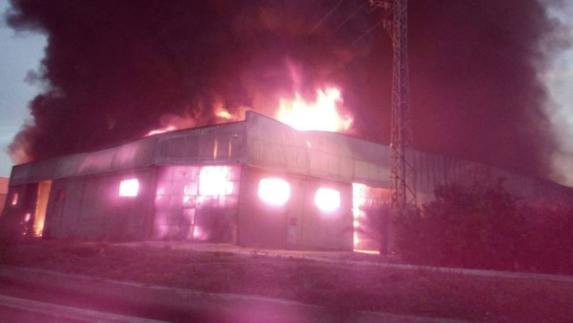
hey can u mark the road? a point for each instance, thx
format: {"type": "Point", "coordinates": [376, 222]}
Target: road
{"type": "Point", "coordinates": [31, 295]}
{"type": "Point", "coordinates": [23, 303]}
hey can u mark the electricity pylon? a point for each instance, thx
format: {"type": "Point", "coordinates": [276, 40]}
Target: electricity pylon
{"type": "Point", "coordinates": [402, 172]}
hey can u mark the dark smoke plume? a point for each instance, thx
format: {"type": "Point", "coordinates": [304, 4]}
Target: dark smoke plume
{"type": "Point", "coordinates": [115, 69]}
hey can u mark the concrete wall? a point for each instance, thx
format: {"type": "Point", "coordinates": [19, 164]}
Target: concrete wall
{"type": "Point", "coordinates": [219, 143]}
{"type": "Point", "coordinates": [275, 146]}
{"type": "Point", "coordinates": [433, 170]}
{"type": "Point", "coordinates": [90, 208]}
{"type": "Point", "coordinates": [133, 155]}
{"type": "Point", "coordinates": [298, 224]}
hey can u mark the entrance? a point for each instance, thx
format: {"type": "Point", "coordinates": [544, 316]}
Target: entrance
{"type": "Point", "coordinates": [41, 206]}
{"type": "Point", "coordinates": [368, 211]}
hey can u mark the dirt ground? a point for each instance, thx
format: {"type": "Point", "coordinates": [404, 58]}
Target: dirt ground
{"type": "Point", "coordinates": [330, 283]}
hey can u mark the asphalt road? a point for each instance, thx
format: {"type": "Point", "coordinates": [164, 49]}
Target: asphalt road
{"type": "Point", "coordinates": [22, 303]}
{"type": "Point", "coordinates": [30, 295]}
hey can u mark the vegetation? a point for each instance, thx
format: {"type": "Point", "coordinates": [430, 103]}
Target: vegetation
{"type": "Point", "coordinates": [342, 286]}
{"type": "Point", "coordinates": [484, 226]}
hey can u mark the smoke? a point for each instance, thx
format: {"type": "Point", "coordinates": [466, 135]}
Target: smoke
{"type": "Point", "coordinates": [559, 77]}
{"type": "Point", "coordinates": [115, 69]}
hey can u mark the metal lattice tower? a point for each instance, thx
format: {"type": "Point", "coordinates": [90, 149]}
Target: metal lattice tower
{"type": "Point", "coordinates": [402, 172]}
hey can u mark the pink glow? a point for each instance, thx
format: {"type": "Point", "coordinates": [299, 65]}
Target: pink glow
{"type": "Point", "coordinates": [362, 199]}
{"type": "Point", "coordinates": [358, 193]}
{"type": "Point", "coordinates": [215, 181]}
{"type": "Point", "coordinates": [199, 233]}
{"type": "Point", "coordinates": [327, 199]}
{"type": "Point", "coordinates": [14, 199]}
{"type": "Point", "coordinates": [274, 191]}
{"type": "Point", "coordinates": [129, 187]}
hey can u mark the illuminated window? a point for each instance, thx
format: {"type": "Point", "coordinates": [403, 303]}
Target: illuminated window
{"type": "Point", "coordinates": [215, 181]}
{"type": "Point", "coordinates": [274, 191]}
{"type": "Point", "coordinates": [14, 199]}
{"type": "Point", "coordinates": [327, 199]}
{"type": "Point", "coordinates": [129, 187]}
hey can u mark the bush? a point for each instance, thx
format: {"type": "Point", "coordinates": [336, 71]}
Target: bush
{"type": "Point", "coordinates": [483, 226]}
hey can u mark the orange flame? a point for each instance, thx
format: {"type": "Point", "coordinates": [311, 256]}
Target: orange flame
{"type": "Point", "coordinates": [322, 114]}
{"type": "Point", "coordinates": [223, 115]}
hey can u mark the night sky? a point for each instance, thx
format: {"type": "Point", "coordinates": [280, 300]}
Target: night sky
{"type": "Point", "coordinates": [488, 78]}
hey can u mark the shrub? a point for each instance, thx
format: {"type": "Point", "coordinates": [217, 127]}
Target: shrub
{"type": "Point", "coordinates": [483, 226]}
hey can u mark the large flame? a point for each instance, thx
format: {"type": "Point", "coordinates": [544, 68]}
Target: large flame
{"type": "Point", "coordinates": [322, 114]}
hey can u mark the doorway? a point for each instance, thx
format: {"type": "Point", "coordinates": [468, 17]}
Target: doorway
{"type": "Point", "coordinates": [42, 198]}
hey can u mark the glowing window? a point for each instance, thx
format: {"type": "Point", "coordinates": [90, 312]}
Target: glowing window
{"type": "Point", "coordinates": [274, 191]}
{"type": "Point", "coordinates": [215, 181]}
{"type": "Point", "coordinates": [327, 199]}
{"type": "Point", "coordinates": [14, 199]}
{"type": "Point", "coordinates": [129, 187]}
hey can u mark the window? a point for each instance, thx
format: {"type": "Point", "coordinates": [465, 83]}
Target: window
{"type": "Point", "coordinates": [215, 181]}
{"type": "Point", "coordinates": [129, 187]}
{"type": "Point", "coordinates": [274, 191]}
{"type": "Point", "coordinates": [327, 199]}
{"type": "Point", "coordinates": [15, 198]}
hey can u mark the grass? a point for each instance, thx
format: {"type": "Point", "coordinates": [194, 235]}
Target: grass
{"type": "Point", "coordinates": [341, 286]}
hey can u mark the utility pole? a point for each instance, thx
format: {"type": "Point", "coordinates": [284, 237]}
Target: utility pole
{"type": "Point", "coordinates": [402, 172]}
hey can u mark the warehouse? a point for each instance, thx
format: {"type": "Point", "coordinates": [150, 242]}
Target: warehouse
{"type": "Point", "coordinates": [256, 183]}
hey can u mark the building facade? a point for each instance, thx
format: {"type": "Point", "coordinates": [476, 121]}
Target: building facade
{"type": "Point", "coordinates": [256, 183]}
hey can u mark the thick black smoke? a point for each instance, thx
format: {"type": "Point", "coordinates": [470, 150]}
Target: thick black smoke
{"type": "Point", "coordinates": [115, 69]}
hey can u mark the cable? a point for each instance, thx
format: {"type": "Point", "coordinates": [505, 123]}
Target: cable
{"type": "Point", "coordinates": [354, 13]}
{"type": "Point", "coordinates": [381, 21]}
{"type": "Point", "coordinates": [330, 12]}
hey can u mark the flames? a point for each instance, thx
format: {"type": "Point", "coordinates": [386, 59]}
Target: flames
{"type": "Point", "coordinates": [324, 113]}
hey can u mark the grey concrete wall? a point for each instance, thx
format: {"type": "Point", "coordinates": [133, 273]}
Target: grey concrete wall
{"type": "Point", "coordinates": [298, 224]}
{"type": "Point", "coordinates": [90, 208]}
{"type": "Point", "coordinates": [260, 225]}
{"type": "Point", "coordinates": [133, 155]}
{"type": "Point", "coordinates": [326, 230]}
{"type": "Point", "coordinates": [219, 143]}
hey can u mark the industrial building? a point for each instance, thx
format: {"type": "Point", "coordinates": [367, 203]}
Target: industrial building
{"type": "Point", "coordinates": [256, 183]}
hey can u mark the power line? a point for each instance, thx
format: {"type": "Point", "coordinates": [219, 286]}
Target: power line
{"type": "Point", "coordinates": [354, 13]}
{"type": "Point", "coordinates": [330, 12]}
{"type": "Point", "coordinates": [371, 29]}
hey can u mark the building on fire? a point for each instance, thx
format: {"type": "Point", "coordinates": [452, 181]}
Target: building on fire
{"type": "Point", "coordinates": [256, 183]}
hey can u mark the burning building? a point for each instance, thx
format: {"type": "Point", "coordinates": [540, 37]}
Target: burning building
{"type": "Point", "coordinates": [256, 182]}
